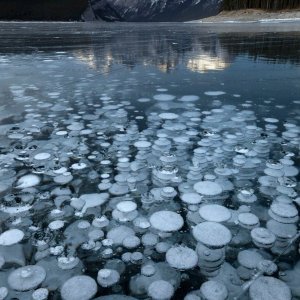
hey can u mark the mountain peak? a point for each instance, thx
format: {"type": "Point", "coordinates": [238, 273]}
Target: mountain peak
{"type": "Point", "coordinates": [153, 10]}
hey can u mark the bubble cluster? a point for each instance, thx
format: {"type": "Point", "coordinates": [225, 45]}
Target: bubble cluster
{"type": "Point", "coordinates": [101, 201]}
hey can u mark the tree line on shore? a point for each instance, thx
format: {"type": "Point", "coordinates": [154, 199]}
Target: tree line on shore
{"type": "Point", "coordinates": [261, 4]}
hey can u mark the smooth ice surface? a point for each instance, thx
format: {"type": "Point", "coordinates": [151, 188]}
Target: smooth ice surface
{"type": "Point", "coordinates": [149, 160]}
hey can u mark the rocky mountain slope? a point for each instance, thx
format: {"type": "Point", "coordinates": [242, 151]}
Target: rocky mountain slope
{"type": "Point", "coordinates": [108, 10]}
{"type": "Point", "coordinates": [151, 10]}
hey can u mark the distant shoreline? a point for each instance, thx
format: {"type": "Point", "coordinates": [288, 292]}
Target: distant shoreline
{"type": "Point", "coordinates": [252, 16]}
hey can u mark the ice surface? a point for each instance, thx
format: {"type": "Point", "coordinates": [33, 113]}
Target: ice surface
{"type": "Point", "coordinates": [165, 164]}
{"type": "Point", "coordinates": [279, 20]}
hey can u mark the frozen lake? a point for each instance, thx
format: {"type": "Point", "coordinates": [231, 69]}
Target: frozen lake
{"type": "Point", "coordinates": [158, 161]}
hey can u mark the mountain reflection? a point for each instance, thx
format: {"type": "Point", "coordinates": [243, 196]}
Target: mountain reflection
{"type": "Point", "coordinates": [205, 63]}
{"type": "Point", "coordinates": [163, 50]}
{"type": "Point", "coordinates": [196, 52]}
{"type": "Point", "coordinates": [102, 47]}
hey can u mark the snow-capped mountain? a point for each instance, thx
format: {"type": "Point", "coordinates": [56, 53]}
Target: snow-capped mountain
{"type": "Point", "coordinates": [151, 10]}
